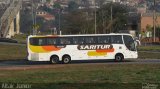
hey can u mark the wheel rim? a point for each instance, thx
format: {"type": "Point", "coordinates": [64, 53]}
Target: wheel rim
{"type": "Point", "coordinates": [54, 60]}
{"type": "Point", "coordinates": [66, 60]}
{"type": "Point", "coordinates": [118, 58]}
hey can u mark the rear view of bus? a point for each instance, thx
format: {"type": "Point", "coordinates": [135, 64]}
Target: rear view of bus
{"type": "Point", "coordinates": [81, 47]}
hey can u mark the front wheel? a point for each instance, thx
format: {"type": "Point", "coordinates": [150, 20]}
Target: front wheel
{"type": "Point", "coordinates": [119, 58]}
{"type": "Point", "coordinates": [66, 59]}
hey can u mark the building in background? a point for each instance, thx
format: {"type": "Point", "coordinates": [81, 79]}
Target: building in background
{"type": "Point", "coordinates": [147, 19]}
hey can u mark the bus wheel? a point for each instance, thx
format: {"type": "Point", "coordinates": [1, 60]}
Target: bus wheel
{"type": "Point", "coordinates": [119, 57]}
{"type": "Point", "coordinates": [66, 59]}
{"type": "Point", "coordinates": [54, 59]}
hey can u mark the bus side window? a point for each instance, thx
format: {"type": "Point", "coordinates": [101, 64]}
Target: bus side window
{"type": "Point", "coordinates": [81, 40]}
{"type": "Point", "coordinates": [68, 40]}
{"type": "Point", "coordinates": [34, 41]}
{"type": "Point", "coordinates": [62, 41]}
{"type": "Point", "coordinates": [65, 40]}
{"type": "Point", "coordinates": [104, 39]}
{"type": "Point", "coordinates": [116, 39]}
{"type": "Point", "coordinates": [90, 40]}
{"type": "Point", "coordinates": [75, 40]}
{"type": "Point", "coordinates": [41, 41]}
{"type": "Point", "coordinates": [51, 41]}
{"type": "Point", "coordinates": [107, 39]}
{"type": "Point", "coordinates": [100, 39]}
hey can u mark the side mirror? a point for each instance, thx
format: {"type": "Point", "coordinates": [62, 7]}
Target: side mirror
{"type": "Point", "coordinates": [137, 42]}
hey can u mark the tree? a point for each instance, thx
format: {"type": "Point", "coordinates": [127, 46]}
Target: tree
{"type": "Point", "coordinates": [48, 0]}
{"type": "Point", "coordinates": [149, 30]}
{"type": "Point", "coordinates": [57, 5]}
{"type": "Point", "coordinates": [83, 20]}
{"type": "Point", "coordinates": [149, 27]}
{"type": "Point", "coordinates": [100, 2]}
{"type": "Point", "coordinates": [158, 31]}
{"type": "Point", "coordinates": [72, 6]}
{"type": "Point", "coordinates": [78, 22]}
{"type": "Point", "coordinates": [106, 24]}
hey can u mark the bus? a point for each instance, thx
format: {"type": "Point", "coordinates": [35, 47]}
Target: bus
{"type": "Point", "coordinates": [65, 48]}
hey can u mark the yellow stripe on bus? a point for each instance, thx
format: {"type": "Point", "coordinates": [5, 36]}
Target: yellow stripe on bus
{"type": "Point", "coordinates": [94, 53]}
{"type": "Point", "coordinates": [37, 49]}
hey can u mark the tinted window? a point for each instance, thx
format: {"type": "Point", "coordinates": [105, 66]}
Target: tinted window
{"type": "Point", "coordinates": [65, 40]}
{"type": "Point", "coordinates": [116, 39]}
{"type": "Point", "coordinates": [129, 42]}
{"type": "Point", "coordinates": [38, 41]}
{"type": "Point", "coordinates": [90, 40]}
{"type": "Point", "coordinates": [52, 41]}
{"type": "Point", "coordinates": [75, 40]}
{"type": "Point", "coordinates": [79, 40]}
{"type": "Point", "coordinates": [104, 39]}
{"type": "Point", "coordinates": [84, 40]}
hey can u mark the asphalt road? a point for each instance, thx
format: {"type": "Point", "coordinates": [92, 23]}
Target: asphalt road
{"type": "Point", "coordinates": [23, 64]}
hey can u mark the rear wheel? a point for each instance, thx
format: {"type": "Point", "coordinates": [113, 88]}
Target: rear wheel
{"type": "Point", "coordinates": [119, 58]}
{"type": "Point", "coordinates": [66, 59]}
{"type": "Point", "coordinates": [54, 59]}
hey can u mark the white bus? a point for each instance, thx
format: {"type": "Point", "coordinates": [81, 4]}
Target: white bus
{"type": "Point", "coordinates": [65, 48]}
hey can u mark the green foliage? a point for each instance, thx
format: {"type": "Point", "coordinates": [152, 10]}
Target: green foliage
{"type": "Point", "coordinates": [149, 27]}
{"type": "Point", "coordinates": [48, 0]}
{"type": "Point", "coordinates": [72, 6]}
{"type": "Point", "coordinates": [78, 22]}
{"type": "Point", "coordinates": [119, 18]}
{"type": "Point", "coordinates": [26, 22]}
{"type": "Point", "coordinates": [158, 31]}
{"type": "Point", "coordinates": [83, 21]}
{"type": "Point", "coordinates": [57, 5]}
{"type": "Point", "coordinates": [47, 9]}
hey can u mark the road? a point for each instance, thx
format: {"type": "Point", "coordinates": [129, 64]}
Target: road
{"type": "Point", "coordinates": [23, 64]}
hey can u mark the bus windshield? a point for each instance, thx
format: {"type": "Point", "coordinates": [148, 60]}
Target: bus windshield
{"type": "Point", "coordinates": [129, 42]}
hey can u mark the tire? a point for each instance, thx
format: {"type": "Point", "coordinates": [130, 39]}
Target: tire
{"type": "Point", "coordinates": [119, 58]}
{"type": "Point", "coordinates": [54, 60]}
{"type": "Point", "coordinates": [66, 59]}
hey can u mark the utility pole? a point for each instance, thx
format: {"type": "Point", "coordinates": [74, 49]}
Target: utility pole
{"type": "Point", "coordinates": [34, 23]}
{"type": "Point", "coordinates": [111, 17]}
{"type": "Point", "coordinates": [154, 22]}
{"type": "Point", "coordinates": [95, 18]}
{"type": "Point", "coordinates": [33, 20]}
{"type": "Point", "coordinates": [59, 21]}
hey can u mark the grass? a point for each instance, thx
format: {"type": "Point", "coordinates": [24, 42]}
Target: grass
{"type": "Point", "coordinates": [21, 38]}
{"type": "Point", "coordinates": [149, 55]}
{"type": "Point", "coordinates": [86, 76]}
{"type": "Point", "coordinates": [149, 48]}
{"type": "Point", "coordinates": [12, 52]}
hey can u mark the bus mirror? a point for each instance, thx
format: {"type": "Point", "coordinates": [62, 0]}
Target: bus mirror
{"type": "Point", "coordinates": [137, 43]}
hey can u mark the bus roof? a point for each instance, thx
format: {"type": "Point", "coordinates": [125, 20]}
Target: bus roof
{"type": "Point", "coordinates": [79, 35]}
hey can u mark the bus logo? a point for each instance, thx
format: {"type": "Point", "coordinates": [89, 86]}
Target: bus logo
{"type": "Point", "coordinates": [95, 47]}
